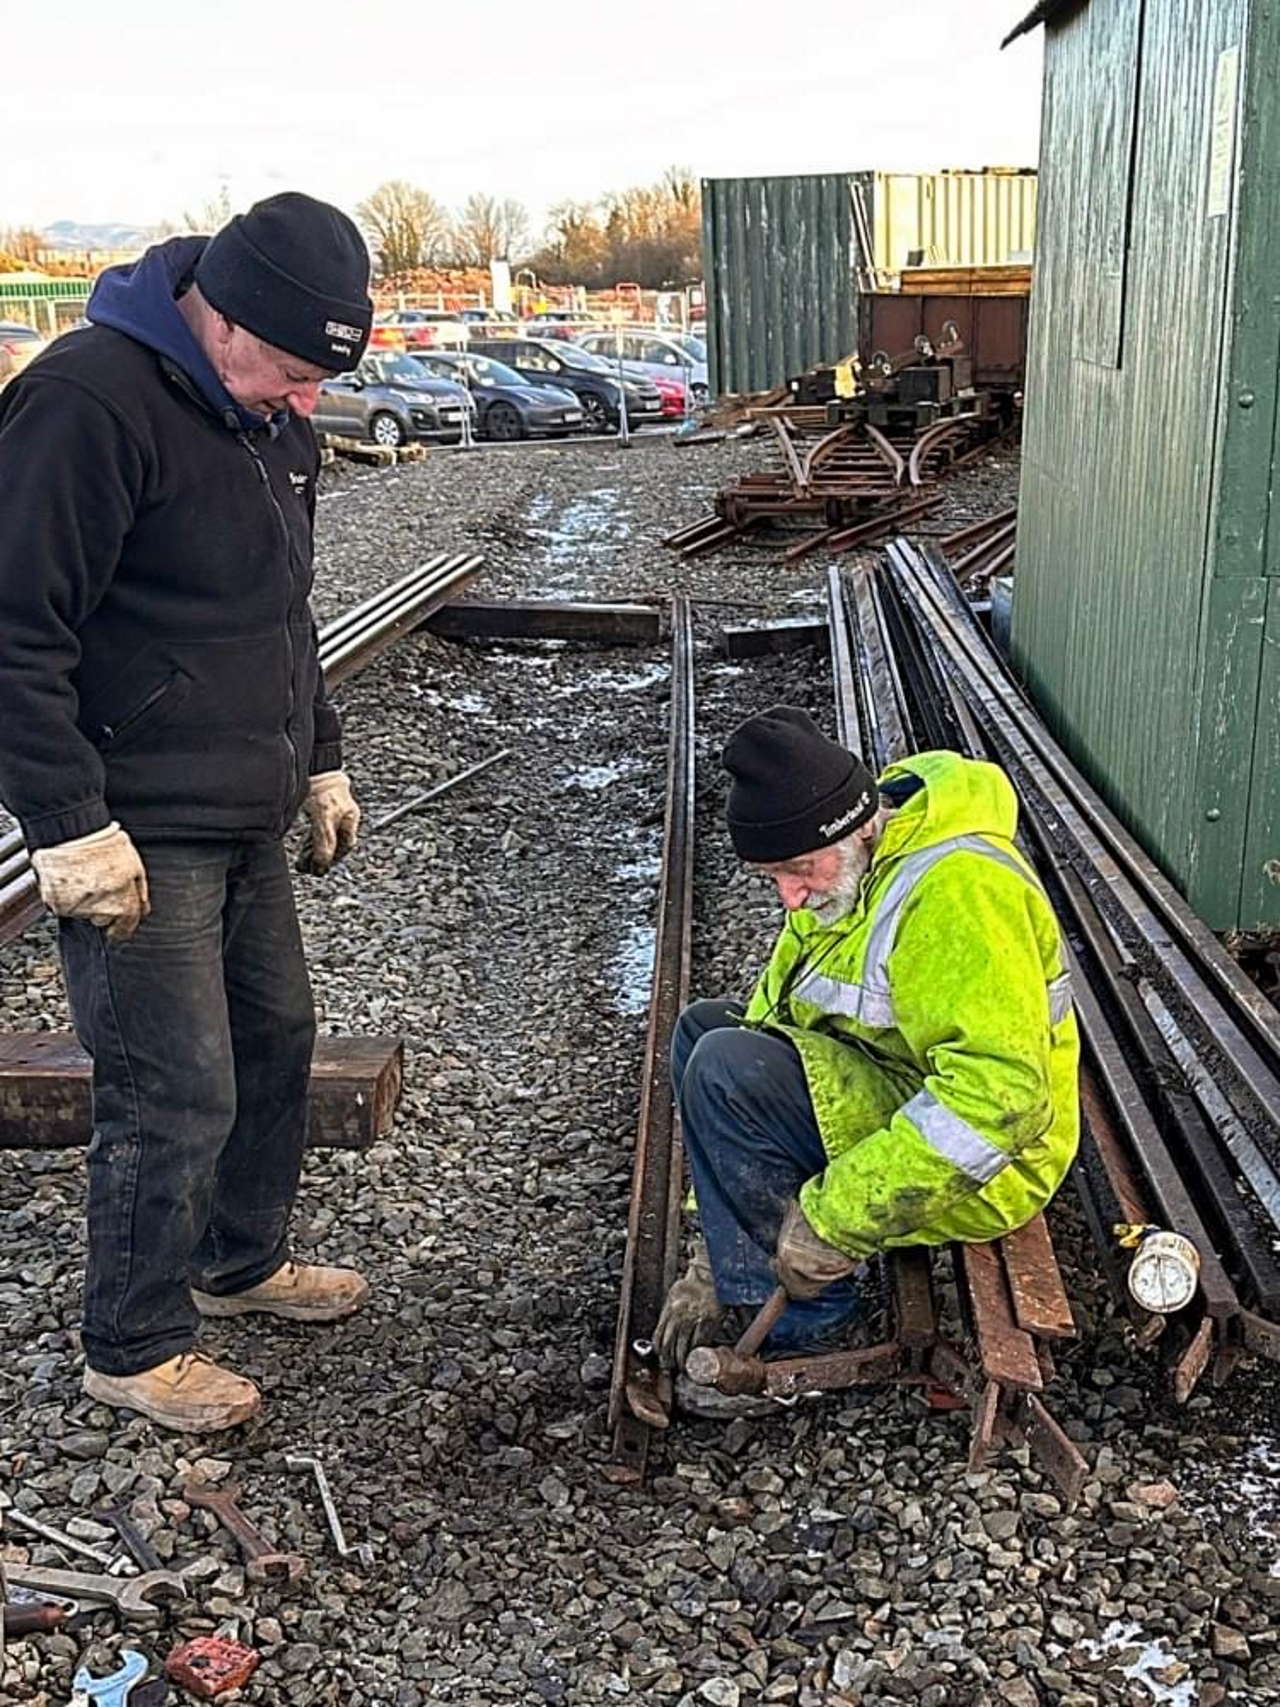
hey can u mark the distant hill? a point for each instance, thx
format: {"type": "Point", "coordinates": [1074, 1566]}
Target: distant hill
{"type": "Point", "coordinates": [70, 234]}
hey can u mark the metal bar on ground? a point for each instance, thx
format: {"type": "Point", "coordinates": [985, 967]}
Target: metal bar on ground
{"type": "Point", "coordinates": [547, 619]}
{"type": "Point", "coordinates": [639, 1394]}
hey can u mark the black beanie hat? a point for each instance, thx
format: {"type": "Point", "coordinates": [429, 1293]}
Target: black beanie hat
{"type": "Point", "coordinates": [295, 272]}
{"type": "Point", "coordinates": [793, 789]}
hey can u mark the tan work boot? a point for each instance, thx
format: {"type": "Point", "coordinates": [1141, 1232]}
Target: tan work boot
{"type": "Point", "coordinates": [186, 1393]}
{"type": "Point", "coordinates": [299, 1291]}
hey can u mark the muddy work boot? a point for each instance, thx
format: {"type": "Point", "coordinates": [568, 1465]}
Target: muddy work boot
{"type": "Point", "coordinates": [298, 1291]}
{"type": "Point", "coordinates": [692, 1313]}
{"type": "Point", "coordinates": [187, 1393]}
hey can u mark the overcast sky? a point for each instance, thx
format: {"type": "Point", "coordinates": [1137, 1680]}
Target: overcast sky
{"type": "Point", "coordinates": [136, 112]}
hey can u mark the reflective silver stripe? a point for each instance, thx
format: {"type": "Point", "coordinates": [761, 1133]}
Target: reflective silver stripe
{"type": "Point", "coordinates": [871, 1002]}
{"type": "Point", "coordinates": [854, 1001]}
{"type": "Point", "coordinates": [1059, 998]}
{"type": "Point", "coordinates": [955, 1139]}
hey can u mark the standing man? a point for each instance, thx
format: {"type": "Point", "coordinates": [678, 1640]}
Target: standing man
{"type": "Point", "coordinates": [162, 720]}
{"type": "Point", "coordinates": [905, 1073]}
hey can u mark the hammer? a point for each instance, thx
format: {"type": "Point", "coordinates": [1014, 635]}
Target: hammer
{"type": "Point", "coordinates": [737, 1369]}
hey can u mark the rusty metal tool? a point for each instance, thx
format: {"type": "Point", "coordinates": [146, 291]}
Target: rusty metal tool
{"type": "Point", "coordinates": [131, 1596]}
{"type": "Point", "coordinates": [115, 1689]}
{"type": "Point", "coordinates": [60, 1538]}
{"type": "Point", "coordinates": [135, 1542]}
{"type": "Point", "coordinates": [28, 1619]}
{"type": "Point", "coordinates": [262, 1562]}
{"type": "Point", "coordinates": [362, 1550]}
{"type": "Point", "coordinates": [707, 1364]}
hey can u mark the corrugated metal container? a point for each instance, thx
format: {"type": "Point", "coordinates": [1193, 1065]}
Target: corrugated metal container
{"type": "Point", "coordinates": [963, 219]}
{"type": "Point", "coordinates": [782, 256]}
{"type": "Point", "coordinates": [777, 261]}
{"type": "Point", "coordinates": [1147, 621]}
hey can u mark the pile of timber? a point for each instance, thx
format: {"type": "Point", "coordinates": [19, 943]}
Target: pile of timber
{"type": "Point", "coordinates": [1013, 279]}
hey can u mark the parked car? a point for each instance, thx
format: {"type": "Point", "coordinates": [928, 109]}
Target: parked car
{"type": "Point", "coordinates": [507, 407]}
{"type": "Point", "coordinates": [429, 328]}
{"type": "Point", "coordinates": [659, 354]}
{"type": "Point", "coordinates": [19, 344]}
{"type": "Point", "coordinates": [540, 362]}
{"type": "Point", "coordinates": [385, 334]}
{"type": "Point", "coordinates": [390, 399]}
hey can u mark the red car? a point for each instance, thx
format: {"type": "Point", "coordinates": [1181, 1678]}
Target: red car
{"type": "Point", "coordinates": [674, 394]}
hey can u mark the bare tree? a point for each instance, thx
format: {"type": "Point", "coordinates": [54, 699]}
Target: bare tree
{"type": "Point", "coordinates": [405, 225]}
{"type": "Point", "coordinates": [488, 229]}
{"type": "Point", "coordinates": [22, 243]}
{"type": "Point", "coordinates": [212, 214]}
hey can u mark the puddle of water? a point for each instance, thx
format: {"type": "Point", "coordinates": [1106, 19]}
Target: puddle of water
{"type": "Point", "coordinates": [633, 969]}
{"type": "Point", "coordinates": [1149, 1658]}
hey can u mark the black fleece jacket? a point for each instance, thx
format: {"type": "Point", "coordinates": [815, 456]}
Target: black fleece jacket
{"type": "Point", "coordinates": [157, 652]}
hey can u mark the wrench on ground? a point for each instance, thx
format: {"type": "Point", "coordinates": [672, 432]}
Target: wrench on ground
{"type": "Point", "coordinates": [131, 1596]}
{"type": "Point", "coordinates": [262, 1562]}
{"type": "Point", "coordinates": [362, 1550]}
{"type": "Point", "coordinates": [60, 1538]}
{"type": "Point", "coordinates": [136, 1544]}
{"type": "Point", "coordinates": [113, 1690]}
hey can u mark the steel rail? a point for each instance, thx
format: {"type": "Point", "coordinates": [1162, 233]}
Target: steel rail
{"type": "Point", "coordinates": [976, 530]}
{"type": "Point", "coordinates": [1173, 947]}
{"type": "Point", "coordinates": [640, 1393]}
{"type": "Point", "coordinates": [848, 728]}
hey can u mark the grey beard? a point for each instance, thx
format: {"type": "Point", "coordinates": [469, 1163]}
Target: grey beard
{"type": "Point", "coordinates": [842, 897]}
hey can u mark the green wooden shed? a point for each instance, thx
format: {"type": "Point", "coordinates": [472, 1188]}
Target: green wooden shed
{"type": "Point", "coordinates": [1146, 613]}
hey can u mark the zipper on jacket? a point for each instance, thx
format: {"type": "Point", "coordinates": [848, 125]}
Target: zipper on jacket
{"type": "Point", "coordinates": [111, 732]}
{"type": "Point", "coordinates": [295, 758]}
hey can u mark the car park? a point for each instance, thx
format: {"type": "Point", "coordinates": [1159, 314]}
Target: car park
{"type": "Point", "coordinates": [390, 399]}
{"type": "Point", "coordinates": [564, 365]}
{"type": "Point", "coordinates": [659, 354]}
{"type": "Point", "coordinates": [507, 406]}
{"type": "Point", "coordinates": [429, 328]}
{"type": "Point", "coordinates": [385, 334]}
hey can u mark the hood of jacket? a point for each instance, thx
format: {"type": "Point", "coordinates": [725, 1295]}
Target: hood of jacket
{"type": "Point", "coordinates": [139, 298]}
{"type": "Point", "coordinates": [960, 797]}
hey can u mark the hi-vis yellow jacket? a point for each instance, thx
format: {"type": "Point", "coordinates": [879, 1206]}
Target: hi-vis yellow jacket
{"type": "Point", "coordinates": [935, 1026]}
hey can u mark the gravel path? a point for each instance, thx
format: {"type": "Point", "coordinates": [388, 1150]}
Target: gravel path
{"type": "Point", "coordinates": [838, 1554]}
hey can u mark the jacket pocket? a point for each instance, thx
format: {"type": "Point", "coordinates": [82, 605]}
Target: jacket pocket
{"type": "Point", "coordinates": [165, 697]}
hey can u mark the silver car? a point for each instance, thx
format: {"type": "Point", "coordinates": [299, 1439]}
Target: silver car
{"type": "Point", "coordinates": [391, 400]}
{"type": "Point", "coordinates": [669, 354]}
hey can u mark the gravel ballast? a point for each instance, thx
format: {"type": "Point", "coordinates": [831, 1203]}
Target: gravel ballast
{"type": "Point", "coordinates": [838, 1553]}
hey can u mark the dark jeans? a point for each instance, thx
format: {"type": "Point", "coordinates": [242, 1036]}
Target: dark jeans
{"type": "Point", "coordinates": [201, 1029]}
{"type": "Point", "coordinates": [752, 1141]}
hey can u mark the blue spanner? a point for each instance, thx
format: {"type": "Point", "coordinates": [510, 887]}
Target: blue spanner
{"type": "Point", "coordinates": [112, 1691]}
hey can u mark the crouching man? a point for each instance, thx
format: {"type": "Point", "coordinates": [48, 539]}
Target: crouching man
{"type": "Point", "coordinates": [906, 1071]}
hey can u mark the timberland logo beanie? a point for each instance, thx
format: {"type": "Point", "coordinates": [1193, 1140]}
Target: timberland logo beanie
{"type": "Point", "coordinates": [295, 272]}
{"type": "Point", "coordinates": [793, 789]}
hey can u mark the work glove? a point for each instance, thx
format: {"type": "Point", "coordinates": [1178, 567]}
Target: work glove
{"type": "Point", "coordinates": [805, 1264]}
{"type": "Point", "coordinates": [334, 823]}
{"type": "Point", "coordinates": [98, 877]}
{"type": "Point", "coordinates": [691, 1313]}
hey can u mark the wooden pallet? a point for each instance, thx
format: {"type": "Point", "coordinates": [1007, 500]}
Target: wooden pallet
{"type": "Point", "coordinates": [45, 1101]}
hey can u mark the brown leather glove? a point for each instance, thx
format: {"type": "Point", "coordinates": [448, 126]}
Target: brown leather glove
{"type": "Point", "coordinates": [98, 877]}
{"type": "Point", "coordinates": [334, 823]}
{"type": "Point", "coordinates": [691, 1312]}
{"type": "Point", "coordinates": [805, 1264]}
